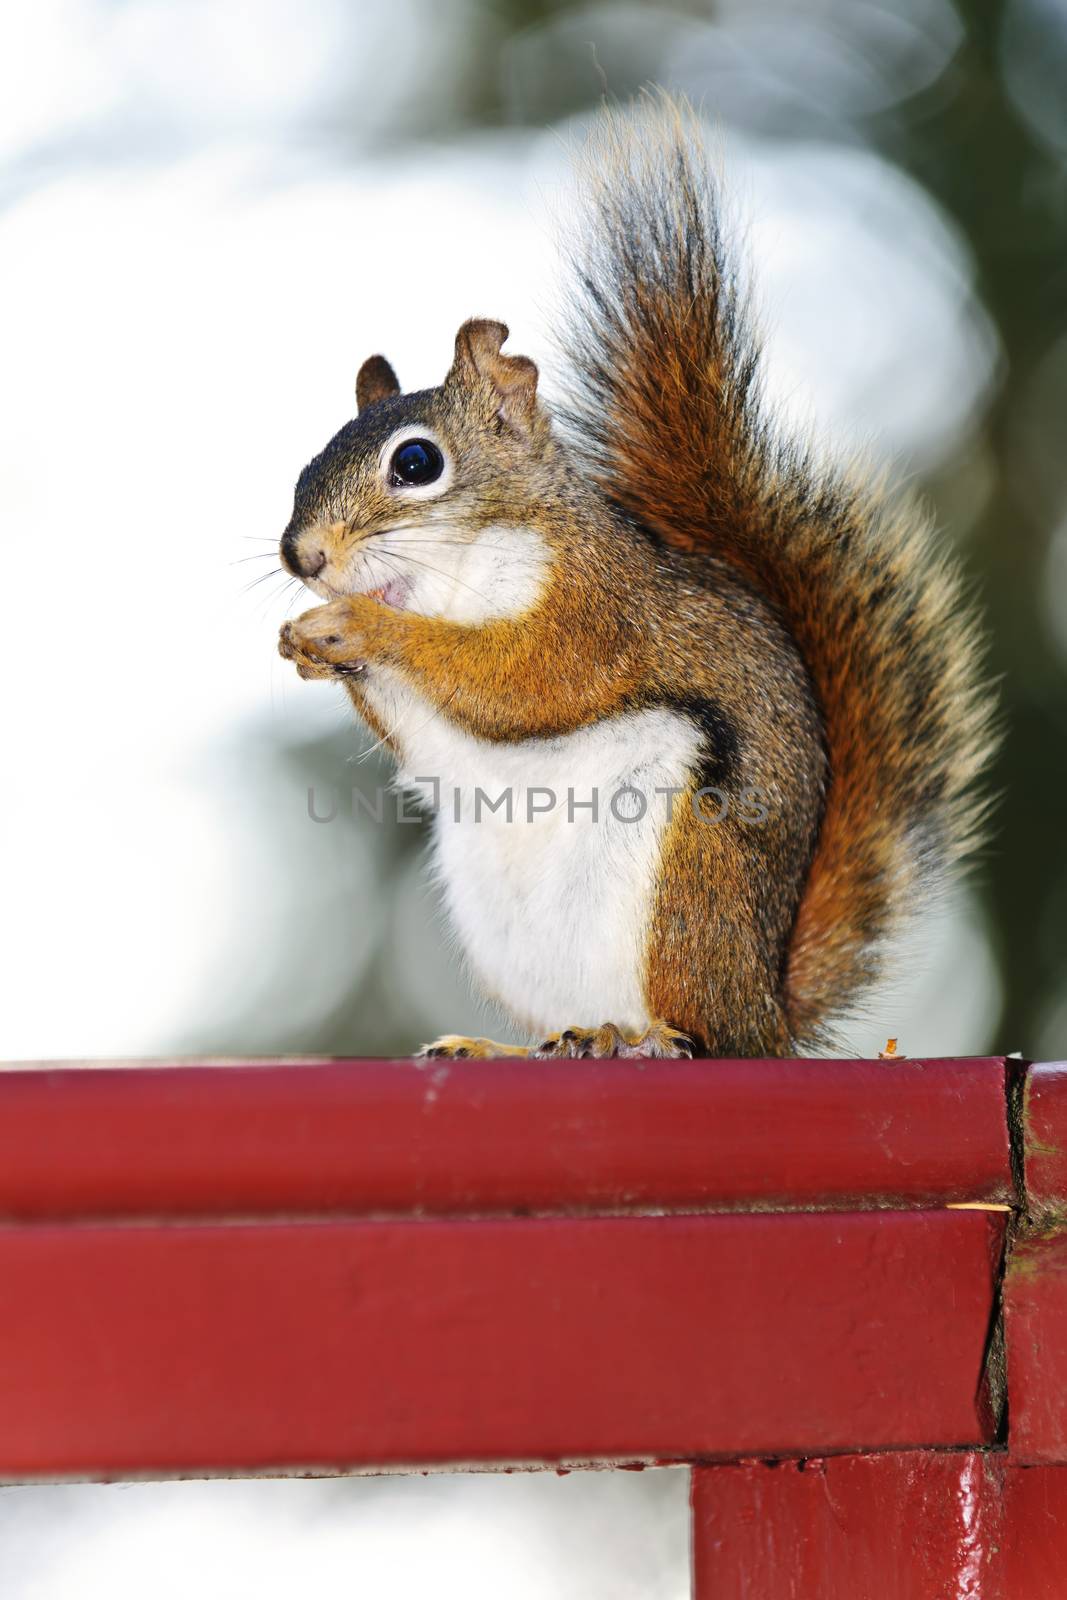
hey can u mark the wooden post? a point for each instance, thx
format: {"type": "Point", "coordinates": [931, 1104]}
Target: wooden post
{"type": "Point", "coordinates": [923, 1525]}
{"type": "Point", "coordinates": [797, 1276]}
{"type": "Point", "coordinates": [266, 1267]}
{"type": "Point", "coordinates": [1035, 1293]}
{"type": "Point", "coordinates": [275, 1345]}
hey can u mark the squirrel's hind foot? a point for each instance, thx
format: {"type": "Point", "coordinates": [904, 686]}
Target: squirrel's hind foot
{"type": "Point", "coordinates": [454, 1047]}
{"type": "Point", "coordinates": [658, 1042]}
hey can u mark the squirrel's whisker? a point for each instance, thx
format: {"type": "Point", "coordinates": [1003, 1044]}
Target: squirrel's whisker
{"type": "Point", "coordinates": [275, 572]}
{"type": "Point", "coordinates": [439, 572]}
{"type": "Point", "coordinates": [455, 544]}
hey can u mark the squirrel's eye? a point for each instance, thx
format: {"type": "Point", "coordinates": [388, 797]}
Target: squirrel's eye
{"type": "Point", "coordinates": [417, 462]}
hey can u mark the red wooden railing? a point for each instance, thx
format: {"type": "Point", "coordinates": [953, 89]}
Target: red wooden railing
{"type": "Point", "coordinates": [837, 1289]}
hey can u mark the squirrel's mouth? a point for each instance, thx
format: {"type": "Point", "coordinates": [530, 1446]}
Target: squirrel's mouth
{"type": "Point", "coordinates": [394, 593]}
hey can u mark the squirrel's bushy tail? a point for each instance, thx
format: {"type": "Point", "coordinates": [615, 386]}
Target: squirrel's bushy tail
{"type": "Point", "coordinates": [666, 407]}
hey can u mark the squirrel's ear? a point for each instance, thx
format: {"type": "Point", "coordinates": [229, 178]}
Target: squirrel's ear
{"type": "Point", "coordinates": [511, 379]}
{"type": "Point", "coordinates": [376, 381]}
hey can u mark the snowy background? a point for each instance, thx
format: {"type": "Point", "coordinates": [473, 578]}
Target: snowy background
{"type": "Point", "coordinates": [210, 213]}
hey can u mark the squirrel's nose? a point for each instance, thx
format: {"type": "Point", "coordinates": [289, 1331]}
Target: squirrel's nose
{"type": "Point", "coordinates": [303, 562]}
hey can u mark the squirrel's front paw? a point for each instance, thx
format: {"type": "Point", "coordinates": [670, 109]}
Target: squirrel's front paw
{"type": "Point", "coordinates": [324, 643]}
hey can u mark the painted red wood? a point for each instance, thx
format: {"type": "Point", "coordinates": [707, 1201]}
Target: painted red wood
{"type": "Point", "coordinates": [1035, 1317]}
{"type": "Point", "coordinates": [183, 1348]}
{"type": "Point", "coordinates": [1045, 1138]}
{"type": "Point", "coordinates": [471, 1136]}
{"type": "Point", "coordinates": [1035, 1293]}
{"type": "Point", "coordinates": [915, 1526]}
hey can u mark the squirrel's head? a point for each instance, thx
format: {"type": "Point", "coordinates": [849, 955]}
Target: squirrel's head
{"type": "Point", "coordinates": [407, 501]}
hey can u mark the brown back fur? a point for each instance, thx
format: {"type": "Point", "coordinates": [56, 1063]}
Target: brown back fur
{"type": "Point", "coordinates": [665, 408]}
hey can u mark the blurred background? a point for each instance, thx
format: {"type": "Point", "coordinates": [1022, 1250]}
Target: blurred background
{"type": "Point", "coordinates": [210, 212]}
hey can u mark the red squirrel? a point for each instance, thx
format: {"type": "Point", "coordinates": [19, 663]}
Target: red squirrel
{"type": "Point", "coordinates": [747, 677]}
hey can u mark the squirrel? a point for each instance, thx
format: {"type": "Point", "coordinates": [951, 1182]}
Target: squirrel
{"type": "Point", "coordinates": [730, 692]}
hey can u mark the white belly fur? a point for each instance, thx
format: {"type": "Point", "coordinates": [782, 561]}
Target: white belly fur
{"type": "Point", "coordinates": [552, 914]}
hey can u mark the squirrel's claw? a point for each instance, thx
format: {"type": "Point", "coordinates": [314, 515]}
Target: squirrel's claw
{"type": "Point", "coordinates": [454, 1047]}
{"type": "Point", "coordinates": [657, 1042]}
{"type": "Point", "coordinates": [305, 665]}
